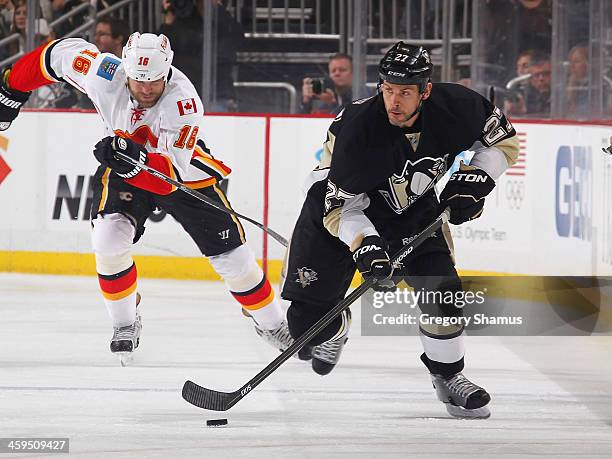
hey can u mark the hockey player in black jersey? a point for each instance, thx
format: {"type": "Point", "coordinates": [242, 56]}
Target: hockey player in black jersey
{"type": "Point", "coordinates": [374, 189]}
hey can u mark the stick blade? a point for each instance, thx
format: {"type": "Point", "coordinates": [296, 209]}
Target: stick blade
{"type": "Point", "coordinates": [206, 398]}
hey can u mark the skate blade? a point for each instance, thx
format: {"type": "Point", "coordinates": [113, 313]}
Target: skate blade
{"type": "Point", "coordinates": [459, 412]}
{"type": "Point", "coordinates": [125, 358]}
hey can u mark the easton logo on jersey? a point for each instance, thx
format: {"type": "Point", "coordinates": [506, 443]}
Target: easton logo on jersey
{"type": "Point", "coordinates": [416, 179]}
{"type": "Point", "coordinates": [187, 106]}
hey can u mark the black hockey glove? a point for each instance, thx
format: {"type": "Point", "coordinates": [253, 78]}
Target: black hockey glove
{"type": "Point", "coordinates": [465, 194]}
{"type": "Point", "coordinates": [11, 101]}
{"type": "Point", "coordinates": [105, 149]}
{"type": "Point", "coordinates": [372, 258]}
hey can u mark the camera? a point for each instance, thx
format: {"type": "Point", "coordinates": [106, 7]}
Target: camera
{"type": "Point", "coordinates": [318, 85]}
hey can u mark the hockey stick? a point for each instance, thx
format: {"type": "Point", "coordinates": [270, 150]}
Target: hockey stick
{"type": "Point", "coordinates": [223, 401]}
{"type": "Point", "coordinates": [200, 196]}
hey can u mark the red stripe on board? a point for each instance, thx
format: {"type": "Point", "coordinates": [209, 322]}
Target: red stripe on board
{"type": "Point", "coordinates": [264, 254]}
{"type": "Point", "coordinates": [596, 122]}
{"type": "Point", "coordinates": [521, 174]}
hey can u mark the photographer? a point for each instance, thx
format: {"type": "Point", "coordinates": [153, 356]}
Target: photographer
{"type": "Point", "coordinates": [324, 96]}
{"type": "Point", "coordinates": [183, 26]}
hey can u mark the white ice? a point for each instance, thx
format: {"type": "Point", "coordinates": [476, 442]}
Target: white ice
{"type": "Point", "coordinates": [552, 396]}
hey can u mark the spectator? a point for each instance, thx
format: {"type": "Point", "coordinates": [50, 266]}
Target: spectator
{"type": "Point", "coordinates": [6, 16]}
{"type": "Point", "coordinates": [509, 27]}
{"type": "Point", "coordinates": [61, 7]}
{"type": "Point", "coordinates": [576, 91]}
{"type": "Point", "coordinates": [111, 35]}
{"type": "Point", "coordinates": [20, 14]}
{"type": "Point", "coordinates": [535, 98]}
{"type": "Point", "coordinates": [329, 95]}
{"type": "Point", "coordinates": [522, 62]}
{"type": "Point", "coordinates": [522, 68]}
{"type": "Point", "coordinates": [183, 25]}
{"type": "Point", "coordinates": [6, 20]}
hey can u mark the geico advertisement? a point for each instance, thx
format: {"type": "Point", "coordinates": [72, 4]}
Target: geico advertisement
{"type": "Point", "coordinates": [564, 214]}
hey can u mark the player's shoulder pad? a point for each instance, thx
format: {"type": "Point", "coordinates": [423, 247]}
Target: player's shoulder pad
{"type": "Point", "coordinates": [181, 101]}
{"type": "Point", "coordinates": [105, 67]}
{"type": "Point", "coordinates": [357, 115]}
{"type": "Point", "coordinates": [454, 93]}
{"type": "Point", "coordinates": [109, 70]}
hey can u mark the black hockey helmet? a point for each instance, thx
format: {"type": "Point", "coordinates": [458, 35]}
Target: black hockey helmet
{"type": "Point", "coordinates": [406, 64]}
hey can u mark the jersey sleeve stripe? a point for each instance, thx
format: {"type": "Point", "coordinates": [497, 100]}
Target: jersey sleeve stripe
{"type": "Point", "coordinates": [207, 159]}
{"type": "Point", "coordinates": [195, 162]}
{"type": "Point", "coordinates": [45, 63]}
{"type": "Point", "coordinates": [31, 72]}
{"type": "Point", "coordinates": [197, 184]}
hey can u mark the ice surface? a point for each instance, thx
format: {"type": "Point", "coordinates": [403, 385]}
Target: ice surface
{"type": "Point", "coordinates": [551, 395]}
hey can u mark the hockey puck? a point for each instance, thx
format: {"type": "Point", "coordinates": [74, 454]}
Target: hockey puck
{"type": "Point", "coordinates": [216, 422]}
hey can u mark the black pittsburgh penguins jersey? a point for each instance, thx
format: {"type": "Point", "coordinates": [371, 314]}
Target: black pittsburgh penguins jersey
{"type": "Point", "coordinates": [372, 157]}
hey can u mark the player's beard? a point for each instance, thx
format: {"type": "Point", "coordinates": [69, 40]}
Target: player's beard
{"type": "Point", "coordinates": [400, 121]}
{"type": "Point", "coordinates": [147, 102]}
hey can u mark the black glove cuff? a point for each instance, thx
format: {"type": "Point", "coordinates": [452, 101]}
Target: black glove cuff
{"type": "Point", "coordinates": [128, 175]}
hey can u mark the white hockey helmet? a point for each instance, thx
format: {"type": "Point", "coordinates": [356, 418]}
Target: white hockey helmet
{"type": "Point", "coordinates": [147, 57]}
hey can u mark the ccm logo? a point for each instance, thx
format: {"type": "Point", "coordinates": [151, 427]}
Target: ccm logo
{"type": "Point", "coordinates": [469, 177]}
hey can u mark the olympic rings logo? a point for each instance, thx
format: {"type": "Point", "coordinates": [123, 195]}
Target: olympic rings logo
{"type": "Point", "coordinates": [515, 193]}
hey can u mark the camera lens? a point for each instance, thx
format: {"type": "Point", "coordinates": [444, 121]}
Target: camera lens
{"type": "Point", "coordinates": [317, 85]}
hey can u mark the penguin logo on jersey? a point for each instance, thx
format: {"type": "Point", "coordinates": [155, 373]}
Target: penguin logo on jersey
{"type": "Point", "coordinates": [416, 179]}
{"type": "Point", "coordinates": [306, 276]}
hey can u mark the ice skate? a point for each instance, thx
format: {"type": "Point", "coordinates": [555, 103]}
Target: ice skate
{"type": "Point", "coordinates": [126, 339]}
{"type": "Point", "coordinates": [280, 337]}
{"type": "Point", "coordinates": [325, 356]}
{"type": "Point", "coordinates": [462, 398]}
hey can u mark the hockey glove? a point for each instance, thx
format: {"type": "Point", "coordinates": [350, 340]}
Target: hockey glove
{"type": "Point", "coordinates": [465, 194]}
{"type": "Point", "coordinates": [11, 101]}
{"type": "Point", "coordinates": [372, 258]}
{"type": "Point", "coordinates": [106, 148]}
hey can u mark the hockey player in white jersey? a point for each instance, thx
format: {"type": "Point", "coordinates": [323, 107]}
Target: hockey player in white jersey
{"type": "Point", "coordinates": [152, 113]}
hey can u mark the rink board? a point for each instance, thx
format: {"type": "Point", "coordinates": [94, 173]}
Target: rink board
{"type": "Point", "coordinates": [548, 215]}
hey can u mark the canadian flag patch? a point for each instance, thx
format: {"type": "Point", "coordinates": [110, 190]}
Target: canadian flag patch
{"type": "Point", "coordinates": [187, 106]}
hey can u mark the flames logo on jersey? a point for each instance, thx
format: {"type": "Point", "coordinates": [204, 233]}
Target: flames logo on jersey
{"type": "Point", "coordinates": [416, 179]}
{"type": "Point", "coordinates": [142, 135]}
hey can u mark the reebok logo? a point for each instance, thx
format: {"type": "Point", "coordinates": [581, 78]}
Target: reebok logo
{"type": "Point", "coordinates": [8, 102]}
{"type": "Point", "coordinates": [468, 178]}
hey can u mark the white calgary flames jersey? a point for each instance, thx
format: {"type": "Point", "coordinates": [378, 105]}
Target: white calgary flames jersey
{"type": "Point", "coordinates": [172, 127]}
